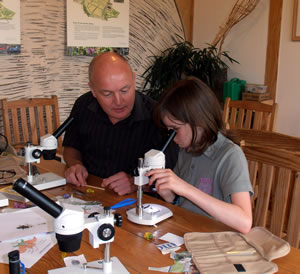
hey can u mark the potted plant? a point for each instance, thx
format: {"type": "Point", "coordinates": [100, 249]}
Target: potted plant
{"type": "Point", "coordinates": [183, 59]}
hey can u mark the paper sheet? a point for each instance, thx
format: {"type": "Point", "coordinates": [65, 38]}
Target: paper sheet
{"type": "Point", "coordinates": [75, 260]}
{"type": "Point", "coordinates": [31, 248]}
{"type": "Point", "coordinates": [182, 264]}
{"type": "Point", "coordinates": [172, 238]}
{"type": "Point", "coordinates": [88, 207]}
{"type": "Point", "coordinates": [25, 222]}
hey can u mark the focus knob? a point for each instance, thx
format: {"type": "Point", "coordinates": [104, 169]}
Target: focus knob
{"type": "Point", "coordinates": [106, 232]}
{"type": "Point", "coordinates": [36, 154]}
{"type": "Point", "coordinates": [118, 220]}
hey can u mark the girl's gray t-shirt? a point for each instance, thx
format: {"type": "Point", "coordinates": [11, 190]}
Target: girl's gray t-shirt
{"type": "Point", "coordinates": [220, 171]}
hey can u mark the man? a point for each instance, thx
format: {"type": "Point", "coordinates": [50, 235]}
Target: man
{"type": "Point", "coordinates": [112, 127]}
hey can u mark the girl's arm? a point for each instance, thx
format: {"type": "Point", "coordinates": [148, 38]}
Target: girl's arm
{"type": "Point", "coordinates": [237, 215]}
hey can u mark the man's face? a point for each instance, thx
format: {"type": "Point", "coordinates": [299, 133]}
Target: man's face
{"type": "Point", "coordinates": [114, 89]}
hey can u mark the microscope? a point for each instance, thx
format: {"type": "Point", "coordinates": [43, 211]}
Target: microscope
{"type": "Point", "coordinates": [149, 214]}
{"type": "Point", "coordinates": [69, 223]}
{"type": "Point", "coordinates": [47, 149]}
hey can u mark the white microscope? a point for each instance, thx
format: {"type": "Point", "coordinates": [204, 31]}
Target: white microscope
{"type": "Point", "coordinates": [47, 149]}
{"type": "Point", "coordinates": [69, 224]}
{"type": "Point", "coordinates": [149, 214]}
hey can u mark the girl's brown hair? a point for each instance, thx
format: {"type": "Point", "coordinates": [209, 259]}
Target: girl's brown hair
{"type": "Point", "coordinates": [191, 101]}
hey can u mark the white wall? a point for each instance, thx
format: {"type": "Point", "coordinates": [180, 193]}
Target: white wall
{"type": "Point", "coordinates": [246, 42]}
{"type": "Point", "coordinates": [288, 82]}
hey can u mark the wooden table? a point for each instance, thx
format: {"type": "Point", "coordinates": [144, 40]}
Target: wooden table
{"type": "Point", "coordinates": [129, 246]}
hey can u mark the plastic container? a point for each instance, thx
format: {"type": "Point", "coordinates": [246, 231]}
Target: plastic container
{"type": "Point", "coordinates": [233, 89]}
{"type": "Point", "coordinates": [255, 88]}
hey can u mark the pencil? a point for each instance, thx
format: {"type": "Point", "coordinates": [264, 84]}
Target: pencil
{"type": "Point", "coordinates": [96, 187]}
{"type": "Point", "coordinates": [246, 252]}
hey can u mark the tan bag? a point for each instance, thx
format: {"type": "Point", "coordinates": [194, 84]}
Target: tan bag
{"type": "Point", "coordinates": [234, 252]}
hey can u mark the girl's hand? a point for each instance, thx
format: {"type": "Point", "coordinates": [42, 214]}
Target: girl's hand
{"type": "Point", "coordinates": [167, 183]}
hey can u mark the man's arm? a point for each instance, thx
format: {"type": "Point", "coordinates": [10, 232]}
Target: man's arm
{"type": "Point", "coordinates": [76, 173]}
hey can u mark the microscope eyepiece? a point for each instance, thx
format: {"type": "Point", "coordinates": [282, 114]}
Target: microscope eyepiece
{"type": "Point", "coordinates": [171, 135]}
{"type": "Point", "coordinates": [37, 197]}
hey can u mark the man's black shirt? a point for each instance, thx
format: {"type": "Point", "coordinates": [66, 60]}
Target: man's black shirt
{"type": "Point", "coordinates": [108, 148]}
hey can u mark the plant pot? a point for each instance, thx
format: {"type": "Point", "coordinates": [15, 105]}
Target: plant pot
{"type": "Point", "coordinates": [218, 83]}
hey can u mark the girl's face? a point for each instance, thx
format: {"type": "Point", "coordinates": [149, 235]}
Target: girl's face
{"type": "Point", "coordinates": [184, 133]}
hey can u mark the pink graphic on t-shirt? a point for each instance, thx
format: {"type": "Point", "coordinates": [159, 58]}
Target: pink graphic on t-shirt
{"type": "Point", "coordinates": [206, 185]}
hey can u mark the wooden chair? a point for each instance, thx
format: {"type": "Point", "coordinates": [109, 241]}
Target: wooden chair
{"type": "Point", "coordinates": [249, 115]}
{"type": "Point", "coordinates": [28, 119]}
{"type": "Point", "coordinates": [266, 138]}
{"type": "Point", "coordinates": [275, 176]}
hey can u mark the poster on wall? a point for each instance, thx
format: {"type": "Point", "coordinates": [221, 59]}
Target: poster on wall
{"type": "Point", "coordinates": [95, 26]}
{"type": "Point", "coordinates": [10, 36]}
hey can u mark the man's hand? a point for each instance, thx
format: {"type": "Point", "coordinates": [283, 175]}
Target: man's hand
{"type": "Point", "coordinates": [121, 183]}
{"type": "Point", "coordinates": [77, 175]}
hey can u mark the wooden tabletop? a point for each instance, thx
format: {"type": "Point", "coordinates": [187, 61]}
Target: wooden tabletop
{"type": "Point", "coordinates": [129, 245]}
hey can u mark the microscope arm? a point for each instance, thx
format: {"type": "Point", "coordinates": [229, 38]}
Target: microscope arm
{"type": "Point", "coordinates": [49, 141]}
{"type": "Point", "coordinates": [48, 145]}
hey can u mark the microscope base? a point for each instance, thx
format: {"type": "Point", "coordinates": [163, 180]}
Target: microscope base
{"type": "Point", "coordinates": [3, 200]}
{"type": "Point", "coordinates": [152, 214]}
{"type": "Point", "coordinates": [117, 267]}
{"type": "Point", "coordinates": [46, 180]}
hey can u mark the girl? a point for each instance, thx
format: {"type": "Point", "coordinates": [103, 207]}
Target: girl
{"type": "Point", "coordinates": [211, 176]}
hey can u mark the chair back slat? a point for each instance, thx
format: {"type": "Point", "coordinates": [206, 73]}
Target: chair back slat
{"type": "Point", "coordinates": [33, 126]}
{"type": "Point", "coordinates": [257, 120]}
{"type": "Point", "coordinates": [240, 119]}
{"type": "Point", "coordinates": [264, 195]}
{"type": "Point", "coordinates": [15, 125]}
{"type": "Point", "coordinates": [232, 117]}
{"type": "Point", "coordinates": [248, 119]}
{"type": "Point", "coordinates": [40, 114]}
{"type": "Point", "coordinates": [293, 235]}
{"type": "Point", "coordinates": [48, 119]}
{"type": "Point", "coordinates": [279, 205]}
{"type": "Point", "coordinates": [253, 166]}
{"type": "Point", "coordinates": [266, 121]}
{"type": "Point", "coordinates": [24, 124]}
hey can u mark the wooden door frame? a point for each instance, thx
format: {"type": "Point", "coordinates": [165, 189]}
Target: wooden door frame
{"type": "Point", "coordinates": [273, 46]}
{"type": "Point", "coordinates": [186, 12]}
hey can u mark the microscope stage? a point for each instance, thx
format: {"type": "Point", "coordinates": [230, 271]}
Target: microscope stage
{"type": "Point", "coordinates": [152, 214]}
